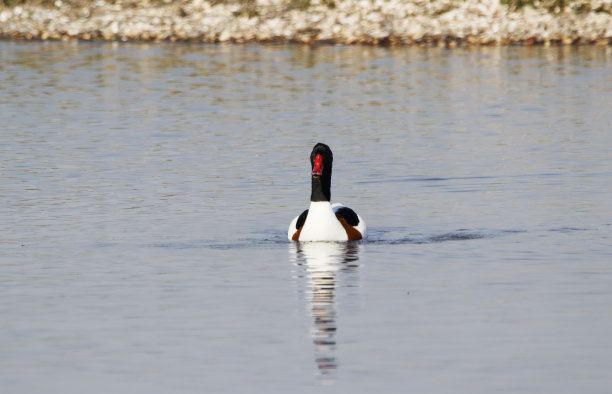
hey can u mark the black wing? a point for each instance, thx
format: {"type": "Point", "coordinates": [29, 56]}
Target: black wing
{"type": "Point", "coordinates": [348, 214]}
{"type": "Point", "coordinates": [301, 220]}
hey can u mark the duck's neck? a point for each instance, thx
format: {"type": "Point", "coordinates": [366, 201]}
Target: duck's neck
{"type": "Point", "coordinates": [321, 188]}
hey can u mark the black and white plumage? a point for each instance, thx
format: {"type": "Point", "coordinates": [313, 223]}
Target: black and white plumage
{"type": "Point", "coordinates": [324, 221]}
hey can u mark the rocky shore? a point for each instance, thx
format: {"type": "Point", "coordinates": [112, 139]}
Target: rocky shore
{"type": "Point", "coordinates": [375, 22]}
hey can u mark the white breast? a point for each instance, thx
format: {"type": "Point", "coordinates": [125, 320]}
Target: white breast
{"type": "Point", "coordinates": [321, 224]}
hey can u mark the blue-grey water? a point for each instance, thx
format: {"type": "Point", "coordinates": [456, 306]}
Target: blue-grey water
{"type": "Point", "coordinates": [146, 190]}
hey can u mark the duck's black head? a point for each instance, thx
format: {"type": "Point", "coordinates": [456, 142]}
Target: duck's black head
{"type": "Point", "coordinates": [321, 160]}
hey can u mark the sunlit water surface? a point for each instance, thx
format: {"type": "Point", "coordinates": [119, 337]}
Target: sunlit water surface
{"type": "Point", "coordinates": [146, 192]}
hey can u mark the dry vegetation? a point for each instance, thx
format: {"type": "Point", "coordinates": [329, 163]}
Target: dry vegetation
{"type": "Point", "coordinates": [376, 22]}
{"type": "Point", "coordinates": [250, 6]}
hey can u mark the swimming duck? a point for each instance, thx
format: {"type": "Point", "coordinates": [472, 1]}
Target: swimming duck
{"type": "Point", "coordinates": [324, 221]}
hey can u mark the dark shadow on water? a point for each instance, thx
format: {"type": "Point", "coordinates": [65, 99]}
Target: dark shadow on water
{"type": "Point", "coordinates": [423, 179]}
{"type": "Point", "coordinates": [568, 229]}
{"type": "Point", "coordinates": [240, 243]}
{"type": "Point", "coordinates": [379, 236]}
{"type": "Point", "coordinates": [446, 179]}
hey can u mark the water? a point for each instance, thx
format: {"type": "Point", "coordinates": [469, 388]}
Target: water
{"type": "Point", "coordinates": [146, 192]}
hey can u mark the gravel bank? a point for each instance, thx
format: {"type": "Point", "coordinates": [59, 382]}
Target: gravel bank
{"type": "Point", "coordinates": [376, 22]}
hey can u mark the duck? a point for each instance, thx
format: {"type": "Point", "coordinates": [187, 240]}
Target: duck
{"type": "Point", "coordinates": [324, 221]}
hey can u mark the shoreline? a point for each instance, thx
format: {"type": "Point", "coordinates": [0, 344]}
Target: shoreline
{"type": "Point", "coordinates": [447, 23]}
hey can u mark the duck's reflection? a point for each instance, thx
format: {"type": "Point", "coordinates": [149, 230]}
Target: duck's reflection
{"type": "Point", "coordinates": [320, 267]}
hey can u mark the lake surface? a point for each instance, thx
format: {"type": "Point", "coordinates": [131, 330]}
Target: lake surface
{"type": "Point", "coordinates": [146, 191]}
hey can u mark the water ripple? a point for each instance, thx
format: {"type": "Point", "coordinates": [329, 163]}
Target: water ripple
{"type": "Point", "coordinates": [458, 235]}
{"type": "Point", "coordinates": [376, 238]}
